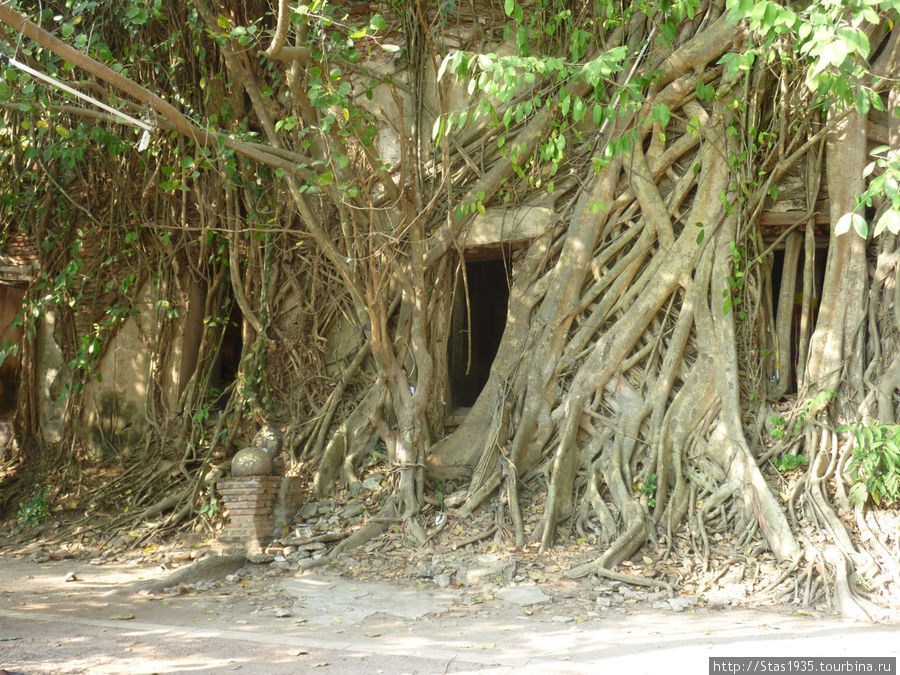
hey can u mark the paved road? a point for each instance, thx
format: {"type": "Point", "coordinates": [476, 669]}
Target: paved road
{"type": "Point", "coordinates": [332, 625]}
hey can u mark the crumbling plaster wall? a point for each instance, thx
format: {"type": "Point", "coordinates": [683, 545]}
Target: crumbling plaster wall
{"type": "Point", "coordinates": [114, 415]}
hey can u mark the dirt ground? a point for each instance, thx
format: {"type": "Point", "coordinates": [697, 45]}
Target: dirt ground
{"type": "Point", "coordinates": [68, 613]}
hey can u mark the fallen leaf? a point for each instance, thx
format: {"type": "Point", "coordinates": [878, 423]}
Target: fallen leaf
{"type": "Point", "coordinates": [124, 617]}
{"type": "Point", "coordinates": [298, 652]}
{"type": "Point", "coordinates": [9, 638]}
{"type": "Point", "coordinates": [487, 645]}
{"type": "Point", "coordinates": [647, 560]}
{"type": "Point", "coordinates": [337, 619]}
{"type": "Point", "coordinates": [372, 634]}
{"type": "Point", "coordinates": [319, 665]}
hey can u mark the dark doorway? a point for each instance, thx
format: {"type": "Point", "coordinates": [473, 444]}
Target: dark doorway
{"type": "Point", "coordinates": [789, 370]}
{"type": "Point", "coordinates": [228, 363]}
{"type": "Point", "coordinates": [10, 342]}
{"type": "Point", "coordinates": [476, 333]}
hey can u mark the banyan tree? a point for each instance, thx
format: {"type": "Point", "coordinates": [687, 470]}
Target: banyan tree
{"type": "Point", "coordinates": [633, 262]}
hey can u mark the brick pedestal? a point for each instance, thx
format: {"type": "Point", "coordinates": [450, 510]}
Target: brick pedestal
{"type": "Point", "coordinates": [290, 492]}
{"type": "Point", "coordinates": [250, 503]}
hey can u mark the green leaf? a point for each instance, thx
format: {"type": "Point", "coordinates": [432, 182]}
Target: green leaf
{"type": "Point", "coordinates": [578, 110]}
{"type": "Point", "coordinates": [854, 40]}
{"type": "Point", "coordinates": [862, 102]}
{"type": "Point", "coordinates": [508, 6]}
{"type": "Point", "coordinates": [437, 131]}
{"type": "Point", "coordinates": [662, 113]}
{"type": "Point", "coordinates": [705, 92]}
{"type": "Point", "coordinates": [890, 220]}
{"type": "Point", "coordinates": [222, 20]}
{"type": "Point", "coordinates": [326, 178]}
{"type": "Point", "coordinates": [851, 219]}
{"type": "Point", "coordinates": [67, 30]}
{"type": "Point", "coordinates": [565, 101]}
{"type": "Point", "coordinates": [858, 495]}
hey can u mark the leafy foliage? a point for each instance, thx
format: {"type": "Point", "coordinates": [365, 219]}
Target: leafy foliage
{"type": "Point", "coordinates": [887, 184]}
{"type": "Point", "coordinates": [778, 425]}
{"type": "Point", "coordinates": [830, 39]}
{"type": "Point", "coordinates": [789, 462]}
{"type": "Point", "coordinates": [875, 467]}
{"type": "Point", "coordinates": [648, 488]}
{"type": "Point", "coordinates": [35, 508]}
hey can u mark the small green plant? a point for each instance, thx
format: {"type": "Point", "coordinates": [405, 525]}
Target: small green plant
{"type": "Point", "coordinates": [739, 266]}
{"type": "Point", "coordinates": [874, 469]}
{"type": "Point", "coordinates": [378, 451]}
{"type": "Point", "coordinates": [648, 487]}
{"type": "Point", "coordinates": [210, 508]}
{"type": "Point", "coordinates": [777, 425]}
{"type": "Point", "coordinates": [790, 462]}
{"type": "Point", "coordinates": [34, 509]}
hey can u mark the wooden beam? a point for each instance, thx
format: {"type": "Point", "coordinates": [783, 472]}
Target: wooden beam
{"type": "Point", "coordinates": [787, 218]}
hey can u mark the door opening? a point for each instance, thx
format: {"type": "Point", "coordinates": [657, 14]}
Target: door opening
{"type": "Point", "coordinates": [10, 343]}
{"type": "Point", "coordinates": [228, 362]}
{"type": "Point", "coordinates": [795, 307]}
{"type": "Point", "coordinates": [476, 333]}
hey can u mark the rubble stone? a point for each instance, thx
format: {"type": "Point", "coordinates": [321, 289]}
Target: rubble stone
{"type": "Point", "coordinates": [523, 595]}
{"type": "Point", "coordinates": [487, 568]}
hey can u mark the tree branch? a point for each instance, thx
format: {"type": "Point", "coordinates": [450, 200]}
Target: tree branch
{"type": "Point", "coordinates": [178, 122]}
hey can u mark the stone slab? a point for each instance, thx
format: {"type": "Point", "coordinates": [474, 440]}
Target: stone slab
{"type": "Point", "coordinates": [329, 598]}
